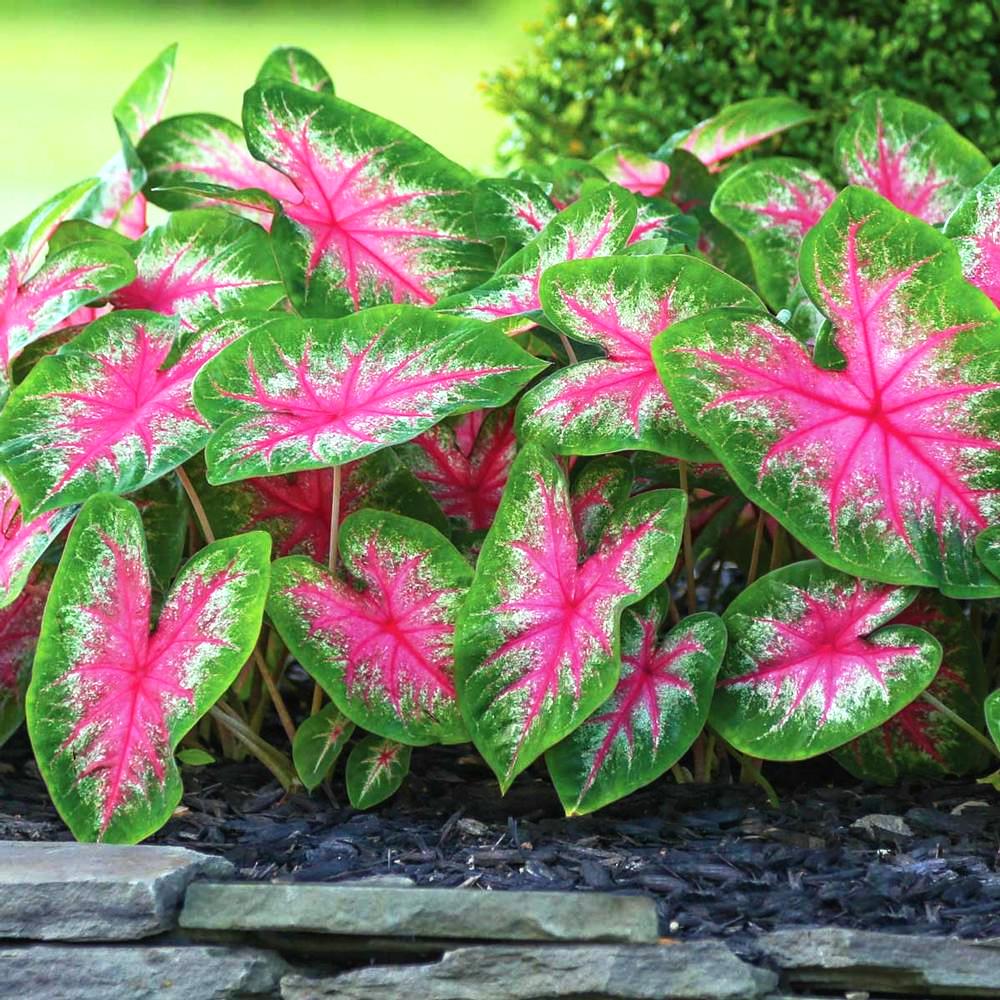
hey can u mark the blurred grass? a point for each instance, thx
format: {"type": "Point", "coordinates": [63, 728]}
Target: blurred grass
{"type": "Point", "coordinates": [63, 66]}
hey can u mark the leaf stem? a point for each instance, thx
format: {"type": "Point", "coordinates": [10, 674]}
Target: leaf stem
{"type": "Point", "coordinates": [272, 689]}
{"type": "Point", "coordinates": [275, 761]}
{"type": "Point", "coordinates": [758, 541]}
{"type": "Point", "coordinates": [567, 347]}
{"type": "Point", "coordinates": [196, 505]}
{"type": "Point", "coordinates": [776, 548]}
{"type": "Point", "coordinates": [750, 768]}
{"type": "Point", "coordinates": [966, 727]}
{"type": "Point", "coordinates": [688, 545]}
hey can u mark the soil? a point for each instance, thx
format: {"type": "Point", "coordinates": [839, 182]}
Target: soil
{"type": "Point", "coordinates": [719, 860]}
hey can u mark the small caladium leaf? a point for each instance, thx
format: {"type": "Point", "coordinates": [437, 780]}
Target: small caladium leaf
{"type": "Point", "coordinates": [307, 394]}
{"type": "Point", "coordinates": [633, 170]}
{"type": "Point", "coordinates": [562, 179]}
{"type": "Point", "coordinates": [378, 216]}
{"type": "Point", "coordinates": [165, 514]}
{"type": "Point", "coordinates": [620, 304]}
{"type": "Point", "coordinates": [741, 126]}
{"type": "Point", "coordinates": [466, 472]}
{"type": "Point", "coordinates": [813, 662]}
{"type": "Point", "coordinates": [109, 412]}
{"type": "Point", "coordinates": [595, 226]}
{"type": "Point", "coordinates": [974, 227]}
{"type": "Point", "coordinates": [597, 491]}
{"type": "Point", "coordinates": [193, 159]}
{"type": "Point", "coordinates": [23, 543]}
{"type": "Point", "coordinates": [889, 467]}
{"type": "Point", "coordinates": [909, 155]}
{"type": "Point", "coordinates": [657, 710]}
{"type": "Point", "coordinates": [537, 640]}
{"type": "Point", "coordinates": [27, 239]}
{"type": "Point", "coordinates": [510, 213]}
{"type": "Point", "coordinates": [20, 623]}
{"type": "Point", "coordinates": [318, 743]}
{"type": "Point", "coordinates": [142, 105]}
{"type": "Point", "coordinates": [376, 768]}
{"type": "Point", "coordinates": [920, 741]}
{"type": "Point", "coordinates": [111, 696]}
{"type": "Point", "coordinates": [295, 509]}
{"type": "Point", "coordinates": [771, 204]}
{"type": "Point", "coordinates": [292, 65]}
{"type": "Point", "coordinates": [380, 643]}
{"type": "Point", "coordinates": [201, 263]}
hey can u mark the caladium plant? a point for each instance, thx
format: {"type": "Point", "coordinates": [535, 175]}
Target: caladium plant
{"type": "Point", "coordinates": [376, 768]}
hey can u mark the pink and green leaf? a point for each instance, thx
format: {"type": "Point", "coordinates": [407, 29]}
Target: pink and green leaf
{"type": "Point", "coordinates": [656, 712]}
{"type": "Point", "coordinates": [741, 126]}
{"type": "Point", "coordinates": [318, 743]}
{"type": "Point", "coordinates": [307, 394]}
{"type": "Point", "coordinates": [376, 768]}
{"type": "Point", "coordinates": [376, 215]}
{"type": "Point", "coordinates": [620, 304]}
{"type": "Point", "coordinates": [293, 65]}
{"type": "Point", "coordinates": [20, 623]}
{"type": "Point", "coordinates": [111, 695]}
{"type": "Point", "coordinates": [380, 643]}
{"type": "Point", "coordinates": [888, 467]}
{"type": "Point", "coordinates": [909, 155]}
{"type": "Point", "coordinates": [597, 491]}
{"type": "Point", "coordinates": [771, 204]}
{"type": "Point", "coordinates": [632, 170]}
{"type": "Point", "coordinates": [112, 411]}
{"type": "Point", "coordinates": [143, 104]}
{"type": "Point", "coordinates": [974, 227]}
{"type": "Point", "coordinates": [165, 514]}
{"type": "Point", "coordinates": [814, 661]}
{"type": "Point", "coordinates": [920, 741]}
{"type": "Point", "coordinates": [597, 225]}
{"type": "Point", "coordinates": [510, 213]}
{"type": "Point", "coordinates": [537, 645]}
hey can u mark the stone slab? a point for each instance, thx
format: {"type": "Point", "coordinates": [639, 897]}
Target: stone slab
{"type": "Point", "coordinates": [130, 972]}
{"type": "Point", "coordinates": [843, 959]}
{"type": "Point", "coordinates": [95, 892]}
{"type": "Point", "coordinates": [698, 970]}
{"type": "Point", "coordinates": [464, 914]}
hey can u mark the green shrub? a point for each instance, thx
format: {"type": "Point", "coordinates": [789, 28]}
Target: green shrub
{"type": "Point", "coordinates": [635, 71]}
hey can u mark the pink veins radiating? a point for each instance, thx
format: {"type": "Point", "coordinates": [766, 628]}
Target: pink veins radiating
{"type": "Point", "coordinates": [823, 654]}
{"type": "Point", "coordinates": [467, 477]}
{"type": "Point", "coordinates": [648, 178]}
{"type": "Point", "coordinates": [20, 623]}
{"type": "Point", "coordinates": [891, 429]}
{"type": "Point", "coordinates": [647, 673]}
{"type": "Point", "coordinates": [395, 636]}
{"type": "Point", "coordinates": [129, 682]}
{"type": "Point", "coordinates": [378, 231]}
{"type": "Point", "coordinates": [565, 611]}
{"type": "Point", "coordinates": [899, 176]}
{"type": "Point", "coordinates": [794, 208]}
{"type": "Point", "coordinates": [16, 537]}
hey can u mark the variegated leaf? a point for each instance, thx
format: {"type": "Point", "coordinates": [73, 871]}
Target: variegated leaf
{"type": "Point", "coordinates": [633, 170]}
{"type": "Point", "coordinates": [537, 639]}
{"type": "Point", "coordinates": [305, 394]}
{"type": "Point", "coordinates": [293, 65]}
{"type": "Point", "coordinates": [510, 213]}
{"type": "Point", "coordinates": [597, 490]}
{"type": "Point", "coordinates": [890, 466]}
{"type": "Point", "coordinates": [318, 743]}
{"type": "Point", "coordinates": [20, 623]}
{"type": "Point", "coordinates": [380, 643]}
{"type": "Point", "coordinates": [620, 304]}
{"type": "Point", "coordinates": [813, 662]}
{"type": "Point", "coordinates": [974, 226]}
{"type": "Point", "coordinates": [656, 712]}
{"type": "Point", "coordinates": [111, 695]}
{"type": "Point", "coordinates": [376, 768]}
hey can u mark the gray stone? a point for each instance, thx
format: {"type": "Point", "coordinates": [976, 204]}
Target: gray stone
{"type": "Point", "coordinates": [840, 959]}
{"type": "Point", "coordinates": [882, 823]}
{"type": "Point", "coordinates": [699, 970]}
{"type": "Point", "coordinates": [451, 914]}
{"type": "Point", "coordinates": [95, 892]}
{"type": "Point", "coordinates": [133, 972]}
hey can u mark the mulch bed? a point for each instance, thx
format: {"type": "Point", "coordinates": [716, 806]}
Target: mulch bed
{"type": "Point", "coordinates": [718, 859]}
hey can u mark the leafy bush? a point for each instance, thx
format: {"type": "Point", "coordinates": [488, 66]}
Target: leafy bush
{"type": "Point", "coordinates": [472, 444]}
{"type": "Point", "coordinates": [635, 72]}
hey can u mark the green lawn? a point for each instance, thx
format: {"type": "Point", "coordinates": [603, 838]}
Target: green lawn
{"type": "Point", "coordinates": [62, 70]}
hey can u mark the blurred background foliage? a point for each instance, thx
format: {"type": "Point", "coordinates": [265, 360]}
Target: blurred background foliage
{"type": "Point", "coordinates": [64, 64]}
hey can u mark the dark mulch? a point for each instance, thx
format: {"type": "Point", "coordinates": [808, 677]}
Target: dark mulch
{"type": "Point", "coordinates": [718, 859]}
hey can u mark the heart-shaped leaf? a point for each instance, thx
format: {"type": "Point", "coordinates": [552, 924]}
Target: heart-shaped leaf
{"type": "Point", "coordinates": [20, 623]}
{"type": "Point", "coordinates": [510, 213]}
{"type": "Point", "coordinates": [537, 639]}
{"type": "Point", "coordinates": [620, 304]}
{"type": "Point", "coordinates": [909, 155]}
{"type": "Point", "coordinates": [318, 743]}
{"type": "Point", "coordinates": [812, 662]}
{"type": "Point", "coordinates": [304, 394]}
{"type": "Point", "coordinates": [376, 768]}
{"type": "Point", "coordinates": [27, 239]}
{"type": "Point", "coordinates": [597, 491]}
{"type": "Point", "coordinates": [889, 467]}
{"type": "Point", "coordinates": [975, 228]}
{"type": "Point", "coordinates": [595, 226]}
{"type": "Point", "coordinates": [111, 696]}
{"type": "Point", "coordinates": [377, 215]}
{"type": "Point", "coordinates": [771, 204]}
{"type": "Point", "coordinates": [633, 170]}
{"type": "Point", "coordinates": [109, 412]}
{"type": "Point", "coordinates": [380, 643]}
{"type": "Point", "coordinates": [657, 710]}
{"type": "Point", "coordinates": [292, 65]}
{"type": "Point", "coordinates": [741, 126]}
{"type": "Point", "coordinates": [920, 741]}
